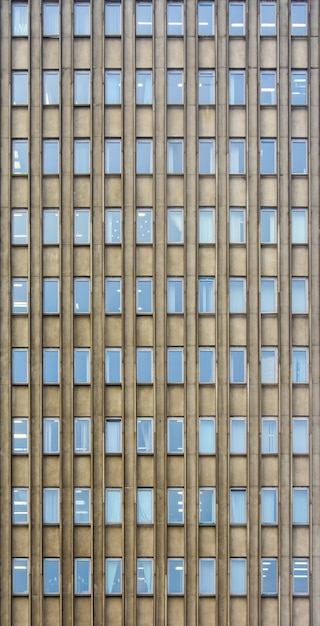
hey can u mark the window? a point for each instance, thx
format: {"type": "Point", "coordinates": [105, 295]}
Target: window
{"type": "Point", "coordinates": [112, 87]}
{"type": "Point", "coordinates": [206, 365]}
{"type": "Point", "coordinates": [112, 156]}
{"type": "Point", "coordinates": [144, 506]}
{"type": "Point", "coordinates": [175, 232]}
{"type": "Point", "coordinates": [51, 435]}
{"type": "Point", "coordinates": [144, 366]}
{"type": "Point", "coordinates": [51, 364]}
{"type": "Point", "coordinates": [144, 435]}
{"type": "Point", "coordinates": [19, 295]}
{"type": "Point", "coordinates": [81, 293]}
{"type": "Point", "coordinates": [81, 12]}
{"type": "Point", "coordinates": [113, 577]}
{"type": "Point", "coordinates": [268, 225]}
{"type": "Point", "coordinates": [81, 86]}
{"type": "Point", "coordinates": [81, 433]}
{"type": "Point", "coordinates": [82, 366]}
{"type": "Point", "coordinates": [20, 506]}
{"type": "Point", "coordinates": [175, 505]}
{"type": "Point", "coordinates": [207, 156]}
{"type": "Point", "coordinates": [19, 17]}
{"type": "Point", "coordinates": [82, 506]}
{"type": "Point", "coordinates": [20, 157]}
{"type": "Point", "coordinates": [113, 436]}
{"type": "Point", "coordinates": [113, 366]}
{"type": "Point", "coordinates": [50, 226]}
{"type": "Point", "coordinates": [50, 156]}
{"type": "Point", "coordinates": [112, 16]}
{"type": "Point", "coordinates": [238, 506]}
{"type": "Point", "coordinates": [207, 505]}
{"type": "Point", "coordinates": [113, 511]}
{"type": "Point", "coordinates": [175, 365]}
{"type": "Point", "coordinates": [269, 505]}
{"type": "Point", "coordinates": [144, 577]}
{"type": "Point", "coordinates": [51, 577]}
{"type": "Point", "coordinates": [144, 19]}
{"type": "Point", "coordinates": [175, 433]}
{"type": "Point", "coordinates": [206, 226]}
{"type": "Point", "coordinates": [237, 226]}
{"type": "Point", "coordinates": [269, 577]}
{"type": "Point", "coordinates": [268, 295]}
{"type": "Point", "coordinates": [299, 156]}
{"type": "Point", "coordinates": [50, 295]}
{"type": "Point", "coordinates": [300, 577]}
{"type": "Point", "coordinates": [207, 577]}
{"type": "Point", "coordinates": [238, 577]}
{"type": "Point", "coordinates": [19, 88]}
{"type": "Point", "coordinates": [175, 156]}
{"type": "Point", "coordinates": [144, 160]}
{"type": "Point", "coordinates": [268, 87]}
{"type": "Point", "coordinates": [299, 226]}
{"type": "Point", "coordinates": [300, 435]}
{"type": "Point", "coordinates": [269, 365]}
{"type": "Point", "coordinates": [51, 505]}
{"type": "Point", "coordinates": [299, 19]}
{"type": "Point", "coordinates": [19, 366]}
{"type": "Point", "coordinates": [206, 87]}
{"type": "Point", "coordinates": [237, 288]}
{"type": "Point", "coordinates": [269, 435]}
{"type": "Point", "coordinates": [238, 358]}
{"type": "Point", "coordinates": [143, 86]}
{"type": "Point", "coordinates": [50, 88]}
{"type": "Point", "coordinates": [300, 505]}
{"type": "Point", "coordinates": [300, 365]}
{"type": "Point", "coordinates": [206, 299]}
{"type": "Point", "coordinates": [237, 88]}
{"type": "Point", "coordinates": [144, 225]}
{"type": "Point", "coordinates": [205, 18]}
{"type": "Point", "coordinates": [81, 226]}
{"type": "Point", "coordinates": [299, 94]}
{"type": "Point", "coordinates": [236, 19]}
{"type": "Point", "coordinates": [19, 227]}
{"type": "Point", "coordinates": [174, 87]}
{"type": "Point", "coordinates": [113, 230]}
{"type": "Point", "coordinates": [175, 577]}
{"type": "Point", "coordinates": [20, 576]}
{"type": "Point", "coordinates": [207, 438]}
{"type": "Point", "coordinates": [299, 295]}
{"type": "Point", "coordinates": [174, 19]}
{"type": "Point", "coordinates": [50, 19]}
{"type": "Point", "coordinates": [82, 576]}
{"type": "Point", "coordinates": [20, 442]}
{"type": "Point", "coordinates": [268, 156]}
{"type": "Point", "coordinates": [238, 435]}
{"type": "Point", "coordinates": [81, 156]}
{"type": "Point", "coordinates": [267, 18]}
{"type": "Point", "coordinates": [113, 295]}
{"type": "Point", "coordinates": [237, 157]}
{"type": "Point", "coordinates": [174, 295]}
{"type": "Point", "coordinates": [144, 295]}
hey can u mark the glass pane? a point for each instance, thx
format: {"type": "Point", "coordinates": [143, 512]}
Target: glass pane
{"type": "Point", "coordinates": [299, 19]}
{"type": "Point", "coordinates": [144, 366]}
{"type": "Point", "coordinates": [81, 226]}
{"type": "Point", "coordinates": [175, 366]}
{"type": "Point", "coordinates": [236, 18]}
{"type": "Point", "coordinates": [144, 576]}
{"type": "Point", "coordinates": [81, 88]}
{"type": "Point", "coordinates": [174, 19]}
{"type": "Point", "coordinates": [237, 365]}
{"type": "Point", "coordinates": [143, 87]}
{"type": "Point", "coordinates": [19, 294]}
{"type": "Point", "coordinates": [237, 164]}
{"type": "Point", "coordinates": [50, 19]}
{"type": "Point", "coordinates": [175, 576]}
{"type": "Point", "coordinates": [267, 88]}
{"type": "Point", "coordinates": [268, 226]}
{"type": "Point", "coordinates": [81, 157]}
{"type": "Point", "coordinates": [174, 87]}
{"type": "Point", "coordinates": [20, 157]}
{"type": "Point", "coordinates": [206, 366]}
{"type": "Point", "coordinates": [81, 18]}
{"type": "Point", "coordinates": [19, 88]}
{"type": "Point", "coordinates": [51, 295]}
{"type": "Point", "coordinates": [207, 577]}
{"type": "Point", "coordinates": [81, 435]}
{"type": "Point", "coordinates": [175, 226]}
{"type": "Point", "coordinates": [113, 576]}
{"type": "Point", "coordinates": [19, 227]}
{"type": "Point", "coordinates": [81, 366]}
{"type": "Point", "coordinates": [269, 506]}
{"type": "Point", "coordinates": [51, 576]}
{"type": "Point", "coordinates": [269, 443]}
{"type": "Point", "coordinates": [175, 435]}
{"type": "Point", "coordinates": [144, 435]}
{"type": "Point", "coordinates": [238, 577]}
{"type": "Point", "coordinates": [300, 435]}
{"type": "Point", "coordinates": [144, 19]}
{"type": "Point", "coordinates": [81, 295]}
{"type": "Point", "coordinates": [20, 435]}
{"type": "Point", "coordinates": [205, 18]}
{"type": "Point", "coordinates": [113, 295]}
{"type": "Point", "coordinates": [269, 577]}
{"type": "Point", "coordinates": [51, 437]}
{"type": "Point", "coordinates": [267, 18]}
{"type": "Point", "coordinates": [144, 226]}
{"type": "Point", "coordinates": [113, 88]}
{"type": "Point", "coordinates": [206, 435]}
{"type": "Point", "coordinates": [237, 295]}
{"type": "Point", "coordinates": [237, 226]}
{"type": "Point", "coordinates": [113, 436]}
{"type": "Point", "coordinates": [238, 506]}
{"type": "Point", "coordinates": [50, 226]}
{"type": "Point", "coordinates": [236, 87]}
{"type": "Point", "coordinates": [112, 18]}
{"type": "Point", "coordinates": [19, 16]}
{"type": "Point", "coordinates": [238, 436]}
{"type": "Point", "coordinates": [206, 156]}
{"type": "Point", "coordinates": [299, 225]}
{"type": "Point", "coordinates": [268, 156]}
{"type": "Point", "coordinates": [299, 87]}
{"type": "Point", "coordinates": [206, 87]}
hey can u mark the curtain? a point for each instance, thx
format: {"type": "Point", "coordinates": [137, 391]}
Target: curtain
{"type": "Point", "coordinates": [238, 503]}
{"type": "Point", "coordinates": [20, 20]}
{"type": "Point", "coordinates": [144, 435]}
{"type": "Point", "coordinates": [268, 366]}
{"type": "Point", "coordinates": [238, 577]}
{"type": "Point", "coordinates": [114, 575]}
{"type": "Point", "coordinates": [113, 436]}
{"type": "Point", "coordinates": [82, 435]}
{"type": "Point", "coordinates": [175, 226]}
{"type": "Point", "coordinates": [113, 506]}
{"type": "Point", "coordinates": [236, 226]}
{"type": "Point", "coordinates": [51, 435]}
{"type": "Point", "coordinates": [144, 576]}
{"type": "Point", "coordinates": [51, 506]}
{"type": "Point", "coordinates": [205, 295]}
{"type": "Point", "coordinates": [206, 227]}
{"type": "Point", "coordinates": [299, 366]}
{"type": "Point", "coordinates": [145, 506]}
{"type": "Point", "coordinates": [207, 577]}
{"type": "Point", "coordinates": [269, 436]}
{"type": "Point", "coordinates": [269, 506]}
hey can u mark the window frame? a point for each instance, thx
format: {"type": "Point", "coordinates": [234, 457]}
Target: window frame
{"type": "Point", "coordinates": [46, 582]}
{"type": "Point", "coordinates": [234, 377]}
{"type": "Point", "coordinates": [19, 227]}
{"type": "Point", "coordinates": [48, 377]}
{"type": "Point", "coordinates": [204, 519]}
{"type": "Point", "coordinates": [269, 498]}
{"type": "Point", "coordinates": [19, 302]}
{"type": "Point", "coordinates": [140, 422]}
{"type": "Point", "coordinates": [238, 142]}
{"type": "Point", "coordinates": [87, 589]}
{"type": "Point", "coordinates": [178, 588]}
{"type": "Point", "coordinates": [82, 508]}
{"type": "Point", "coordinates": [53, 309]}
{"type": "Point", "coordinates": [172, 377]}
{"type": "Point", "coordinates": [141, 356]}
{"type": "Point", "coordinates": [109, 380]}
{"type": "Point", "coordinates": [23, 435]}
{"type": "Point", "coordinates": [205, 379]}
{"type": "Point", "coordinates": [19, 93]}
{"type": "Point", "coordinates": [48, 439]}
{"type": "Point", "coordinates": [174, 449]}
{"type": "Point", "coordinates": [84, 449]}
{"type": "Point", "coordinates": [175, 87]}
{"type": "Point", "coordinates": [18, 564]}
{"type": "Point", "coordinates": [111, 305]}
{"type": "Point", "coordinates": [24, 378]}
{"type": "Point", "coordinates": [117, 449]}
{"type": "Point", "coordinates": [264, 379]}
{"type": "Point", "coordinates": [272, 591]}
{"type": "Point", "coordinates": [20, 506]}
{"type": "Point", "coordinates": [175, 499]}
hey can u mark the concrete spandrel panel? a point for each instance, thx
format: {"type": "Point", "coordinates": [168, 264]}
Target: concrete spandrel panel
{"type": "Point", "coordinates": [175, 260]}
{"type": "Point", "coordinates": [237, 53]}
{"type": "Point", "coordinates": [51, 191]}
{"type": "Point", "coordinates": [51, 261]}
{"type": "Point", "coordinates": [175, 399]}
{"type": "Point", "coordinates": [82, 331]}
{"type": "Point", "coordinates": [19, 122]}
{"type": "Point", "coordinates": [113, 540]}
{"type": "Point", "coordinates": [144, 331]}
{"type": "Point", "coordinates": [113, 53]}
{"type": "Point", "coordinates": [144, 122]}
{"type": "Point", "coordinates": [207, 541]}
{"type": "Point", "coordinates": [82, 541]}
{"type": "Point", "coordinates": [207, 190]}
{"type": "Point", "coordinates": [300, 400]}
{"type": "Point", "coordinates": [175, 612]}
{"type": "Point", "coordinates": [238, 541]}
{"type": "Point", "coordinates": [268, 53]}
{"type": "Point", "coordinates": [175, 121]}
{"type": "Point", "coordinates": [175, 330]}
{"type": "Point", "coordinates": [270, 611]}
{"type": "Point", "coordinates": [19, 54]}
{"type": "Point", "coordinates": [113, 260]}
{"type": "Point", "coordinates": [82, 470]}
{"type": "Point", "coordinates": [82, 400]}
{"type": "Point", "coordinates": [269, 470]}
{"type": "Point", "coordinates": [206, 330]}
{"type": "Point", "coordinates": [144, 56]}
{"type": "Point", "coordinates": [237, 261]}
{"type": "Point", "coordinates": [207, 611]}
{"type": "Point", "coordinates": [82, 122]}
{"type": "Point", "coordinates": [300, 260]}
{"type": "Point", "coordinates": [237, 122]}
{"type": "Point", "coordinates": [301, 611]}
{"type": "Point", "coordinates": [207, 121]}
{"type": "Point", "coordinates": [144, 474]}
{"type": "Point", "coordinates": [19, 192]}
{"type": "Point", "coordinates": [20, 331]}
{"type": "Point", "coordinates": [299, 122]}
{"type": "Point", "coordinates": [144, 191]}
{"type": "Point", "coordinates": [145, 609]}
{"type": "Point", "coordinates": [20, 542]}
{"type": "Point", "coordinates": [113, 611]}
{"type": "Point", "coordinates": [206, 53]}
{"type": "Point", "coordinates": [51, 471]}
{"type": "Point", "coordinates": [238, 471]}
{"type": "Point", "coordinates": [175, 52]}
{"type": "Point", "coordinates": [270, 540]}
{"type": "Point", "coordinates": [81, 261]}
{"type": "Point", "coordinates": [81, 53]}
{"type": "Point", "coordinates": [51, 331]}
{"type": "Point", "coordinates": [175, 539]}
{"type": "Point", "coordinates": [144, 261]}
{"type": "Point", "coordinates": [50, 400]}
{"type": "Point", "coordinates": [300, 331]}
{"type": "Point", "coordinates": [238, 330]}
{"type": "Point", "coordinates": [268, 191]}
{"type": "Point", "coordinates": [207, 470]}
{"type": "Point", "coordinates": [269, 330]}
{"type": "Point", "coordinates": [113, 191]}
{"type": "Point", "coordinates": [207, 260]}
{"type": "Point", "coordinates": [19, 262]}
{"type": "Point", "coordinates": [81, 191]}
{"type": "Point", "coordinates": [50, 608]}
{"type": "Point", "coordinates": [299, 53]}
{"type": "Point", "coordinates": [113, 400]}
{"type": "Point", "coordinates": [175, 470]}
{"type": "Point", "coordinates": [145, 541]}
{"type": "Point", "coordinates": [51, 540]}
{"type": "Point", "coordinates": [20, 611]}
{"type": "Point", "coordinates": [300, 191]}
{"type": "Point", "coordinates": [175, 191]}
{"type": "Point", "coordinates": [20, 471]}
{"type": "Point", "coordinates": [113, 121]}
{"type": "Point", "coordinates": [50, 122]}
{"type": "Point", "coordinates": [269, 260]}
{"type": "Point", "coordinates": [268, 122]}
{"type": "Point", "coordinates": [301, 471]}
{"type": "Point", "coordinates": [113, 329]}
{"type": "Point", "coordinates": [50, 53]}
{"type": "Point", "coordinates": [145, 396]}
{"type": "Point", "coordinates": [237, 191]}
{"type": "Point", "coordinates": [269, 399]}
{"type": "Point", "coordinates": [300, 541]}
{"type": "Point", "coordinates": [82, 612]}
{"type": "Point", "coordinates": [207, 399]}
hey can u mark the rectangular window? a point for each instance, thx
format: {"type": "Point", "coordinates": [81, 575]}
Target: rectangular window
{"type": "Point", "coordinates": [175, 435]}
{"type": "Point", "coordinates": [268, 228]}
{"type": "Point", "coordinates": [206, 366]}
{"type": "Point", "coordinates": [206, 226]}
{"type": "Point", "coordinates": [299, 295]}
{"type": "Point", "coordinates": [144, 226]}
{"type": "Point", "coordinates": [299, 156]}
{"type": "Point", "coordinates": [205, 19]}
{"type": "Point", "coordinates": [269, 505]}
{"type": "Point", "coordinates": [112, 17]}
{"type": "Point", "coordinates": [19, 19]}
{"type": "Point", "coordinates": [238, 577]}
{"type": "Point", "coordinates": [51, 435]}
{"type": "Point", "coordinates": [238, 506]}
{"type": "Point", "coordinates": [50, 295]}
{"type": "Point", "coordinates": [206, 295]}
{"type": "Point", "coordinates": [174, 295]}
{"type": "Point", "coordinates": [268, 157]}
{"type": "Point", "coordinates": [81, 156]}
{"type": "Point", "coordinates": [237, 156]}
{"type": "Point", "coordinates": [300, 435]}
{"type": "Point", "coordinates": [299, 82]}
{"type": "Point", "coordinates": [20, 505]}
{"type": "Point", "coordinates": [20, 158]}
{"type": "Point", "coordinates": [300, 577]}
{"type": "Point", "coordinates": [145, 577]}
{"type": "Point", "coordinates": [20, 577]}
{"type": "Point", "coordinates": [175, 365]}
{"type": "Point", "coordinates": [144, 86]}
{"type": "Point", "coordinates": [50, 156]}
{"type": "Point", "coordinates": [268, 295]}
{"type": "Point", "coordinates": [51, 577]}
{"type": "Point", "coordinates": [81, 86]}
{"type": "Point", "coordinates": [269, 435]}
{"type": "Point", "coordinates": [19, 227]}
{"type": "Point", "coordinates": [112, 153]}
{"type": "Point", "coordinates": [175, 577]}
{"type": "Point", "coordinates": [145, 506]}
{"type": "Point", "coordinates": [113, 577]}
{"type": "Point", "coordinates": [82, 506]}
{"type": "Point", "coordinates": [269, 365]}
{"type": "Point", "coordinates": [238, 435]}
{"type": "Point", "coordinates": [51, 505]}
{"type": "Point", "coordinates": [237, 87]}
{"type": "Point", "coordinates": [237, 19]}
{"type": "Point", "coordinates": [237, 295]}
{"type": "Point", "coordinates": [113, 506]}
{"type": "Point", "coordinates": [50, 88]}
{"type": "Point", "coordinates": [81, 13]}
{"type": "Point", "coordinates": [175, 226]}
{"type": "Point", "coordinates": [207, 435]}
{"type": "Point", "coordinates": [144, 435]}
{"type": "Point", "coordinates": [50, 19]}
{"type": "Point", "coordinates": [174, 87]}
{"type": "Point", "coordinates": [207, 157]}
{"type": "Point", "coordinates": [207, 505]}
{"type": "Point", "coordinates": [112, 86]}
{"type": "Point", "coordinates": [19, 88]}
{"type": "Point", "coordinates": [300, 505]}
{"type": "Point", "coordinates": [299, 226]}
{"type": "Point", "coordinates": [20, 432]}
{"type": "Point", "coordinates": [175, 504]}
{"type": "Point", "coordinates": [269, 577]}
{"type": "Point", "coordinates": [19, 295]}
{"type": "Point", "coordinates": [299, 16]}
{"type": "Point", "coordinates": [144, 295]}
{"type": "Point", "coordinates": [144, 156]}
{"type": "Point", "coordinates": [113, 366]}
{"type": "Point", "coordinates": [144, 19]}
{"type": "Point", "coordinates": [268, 95]}
{"type": "Point", "coordinates": [82, 576]}
{"type": "Point", "coordinates": [50, 227]}
{"type": "Point", "coordinates": [237, 226]}
{"type": "Point", "coordinates": [175, 156]}
{"type": "Point", "coordinates": [113, 295]}
{"type": "Point", "coordinates": [175, 19]}
{"type": "Point", "coordinates": [113, 226]}
{"type": "Point", "coordinates": [81, 435]}
{"type": "Point", "coordinates": [81, 366]}
{"type": "Point", "coordinates": [19, 366]}
{"type": "Point", "coordinates": [51, 366]}
{"type": "Point", "coordinates": [81, 295]}
{"type": "Point", "coordinates": [144, 366]}
{"type": "Point", "coordinates": [300, 365]}
{"type": "Point", "coordinates": [113, 435]}
{"type": "Point", "coordinates": [206, 87]}
{"type": "Point", "coordinates": [267, 19]}
{"type": "Point", "coordinates": [81, 226]}
{"type": "Point", "coordinates": [238, 362]}
{"type": "Point", "coordinates": [207, 577]}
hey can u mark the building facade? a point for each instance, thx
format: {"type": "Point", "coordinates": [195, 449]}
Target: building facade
{"type": "Point", "coordinates": [159, 329]}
